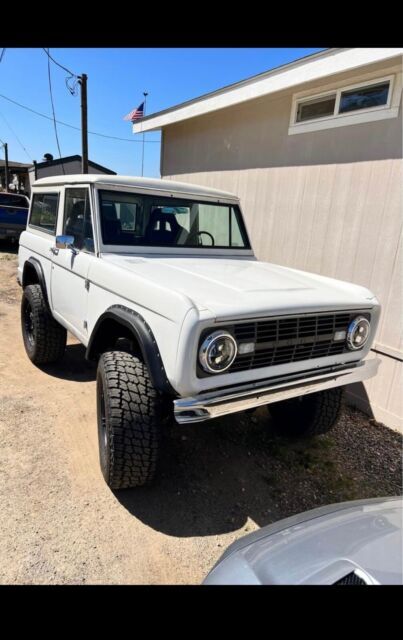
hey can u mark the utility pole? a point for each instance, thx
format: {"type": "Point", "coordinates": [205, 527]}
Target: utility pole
{"type": "Point", "coordinates": [6, 175]}
{"type": "Point", "coordinates": [84, 123]}
{"type": "Point", "coordinates": [145, 94]}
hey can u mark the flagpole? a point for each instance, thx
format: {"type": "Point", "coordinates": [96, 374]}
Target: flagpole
{"type": "Point", "coordinates": [145, 94]}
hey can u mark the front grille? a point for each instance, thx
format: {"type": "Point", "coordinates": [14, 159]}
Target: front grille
{"type": "Point", "coordinates": [351, 579]}
{"type": "Point", "coordinates": [291, 339]}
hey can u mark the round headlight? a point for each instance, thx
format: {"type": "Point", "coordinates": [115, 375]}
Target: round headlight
{"type": "Point", "coordinates": [217, 352]}
{"type": "Point", "coordinates": [358, 332]}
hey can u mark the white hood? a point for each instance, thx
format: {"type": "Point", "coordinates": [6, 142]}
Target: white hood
{"type": "Point", "coordinates": [235, 288]}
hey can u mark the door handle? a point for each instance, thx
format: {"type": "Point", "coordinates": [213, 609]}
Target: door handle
{"type": "Point", "coordinates": [54, 250]}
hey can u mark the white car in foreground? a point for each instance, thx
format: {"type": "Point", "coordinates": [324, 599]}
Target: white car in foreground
{"type": "Point", "coordinates": [159, 281]}
{"type": "Point", "coordinates": [355, 543]}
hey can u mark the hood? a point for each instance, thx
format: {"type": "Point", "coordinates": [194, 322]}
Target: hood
{"type": "Point", "coordinates": [236, 288]}
{"type": "Point", "coordinates": [358, 542]}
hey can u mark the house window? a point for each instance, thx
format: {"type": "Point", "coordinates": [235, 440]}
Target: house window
{"type": "Point", "coordinates": [361, 102]}
{"type": "Point", "coordinates": [316, 108]}
{"type": "Point", "coordinates": [375, 95]}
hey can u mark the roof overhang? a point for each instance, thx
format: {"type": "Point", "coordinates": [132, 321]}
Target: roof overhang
{"type": "Point", "coordinates": [308, 69]}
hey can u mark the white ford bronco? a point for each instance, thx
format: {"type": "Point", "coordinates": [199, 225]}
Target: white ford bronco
{"type": "Point", "coordinates": [159, 281]}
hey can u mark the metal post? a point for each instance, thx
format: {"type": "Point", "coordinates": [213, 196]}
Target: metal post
{"type": "Point", "coordinates": [6, 177]}
{"type": "Point", "coordinates": [145, 94]}
{"type": "Point", "coordinates": [35, 170]}
{"type": "Point", "coordinates": [84, 123]}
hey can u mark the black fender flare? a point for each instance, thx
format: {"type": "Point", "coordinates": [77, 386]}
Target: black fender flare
{"type": "Point", "coordinates": [145, 338]}
{"type": "Point", "coordinates": [35, 263]}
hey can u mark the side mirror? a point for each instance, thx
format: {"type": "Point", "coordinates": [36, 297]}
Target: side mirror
{"type": "Point", "coordinates": [65, 242]}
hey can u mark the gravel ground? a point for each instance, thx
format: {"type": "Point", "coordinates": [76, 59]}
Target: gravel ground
{"type": "Point", "coordinates": [59, 522]}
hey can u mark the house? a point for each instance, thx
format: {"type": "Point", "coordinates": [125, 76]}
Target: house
{"type": "Point", "coordinates": [18, 176]}
{"type": "Point", "coordinates": [314, 150]}
{"type": "Point", "coordinates": [70, 164]}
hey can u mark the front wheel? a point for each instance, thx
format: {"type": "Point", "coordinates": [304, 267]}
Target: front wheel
{"type": "Point", "coordinates": [308, 415]}
{"type": "Point", "coordinates": [130, 416]}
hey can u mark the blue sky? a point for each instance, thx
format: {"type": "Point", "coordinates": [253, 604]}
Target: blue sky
{"type": "Point", "coordinates": [116, 81]}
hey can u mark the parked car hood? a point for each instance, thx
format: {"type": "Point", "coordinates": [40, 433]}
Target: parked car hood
{"type": "Point", "coordinates": [358, 542]}
{"type": "Point", "coordinates": [231, 287]}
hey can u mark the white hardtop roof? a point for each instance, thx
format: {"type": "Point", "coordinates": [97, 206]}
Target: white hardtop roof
{"type": "Point", "coordinates": [313, 67]}
{"type": "Point", "coordinates": [152, 184]}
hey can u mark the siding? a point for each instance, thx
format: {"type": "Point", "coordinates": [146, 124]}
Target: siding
{"type": "Point", "coordinates": [327, 201]}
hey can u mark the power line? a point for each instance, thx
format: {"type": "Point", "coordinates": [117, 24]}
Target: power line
{"type": "Point", "coordinates": [59, 65]}
{"type": "Point", "coordinates": [65, 124]}
{"type": "Point", "coordinates": [72, 89]}
{"type": "Point", "coordinates": [53, 111]}
{"type": "Point", "coordinates": [2, 54]}
{"type": "Point", "coordinates": [16, 137]}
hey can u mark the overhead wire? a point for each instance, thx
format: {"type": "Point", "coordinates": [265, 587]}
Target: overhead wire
{"type": "Point", "coordinates": [58, 63]}
{"type": "Point", "coordinates": [2, 54]}
{"type": "Point", "coordinates": [16, 136]}
{"type": "Point", "coordinates": [70, 126]}
{"type": "Point", "coordinates": [53, 111]}
{"type": "Point", "coordinates": [73, 88]}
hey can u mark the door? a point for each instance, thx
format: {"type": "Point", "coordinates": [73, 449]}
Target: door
{"type": "Point", "coordinates": [69, 285]}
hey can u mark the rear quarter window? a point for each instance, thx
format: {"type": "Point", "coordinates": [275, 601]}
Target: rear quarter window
{"type": "Point", "coordinates": [44, 211]}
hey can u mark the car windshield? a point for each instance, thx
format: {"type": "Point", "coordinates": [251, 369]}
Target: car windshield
{"type": "Point", "coordinates": [134, 219]}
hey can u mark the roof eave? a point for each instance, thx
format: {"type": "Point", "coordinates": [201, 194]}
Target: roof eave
{"type": "Point", "coordinates": [315, 67]}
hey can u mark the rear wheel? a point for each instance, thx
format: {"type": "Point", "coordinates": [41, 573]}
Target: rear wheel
{"type": "Point", "coordinates": [44, 338]}
{"type": "Point", "coordinates": [130, 417]}
{"type": "Point", "coordinates": [308, 415]}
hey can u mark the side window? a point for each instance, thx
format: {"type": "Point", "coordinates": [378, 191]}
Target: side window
{"type": "Point", "coordinates": [44, 211]}
{"type": "Point", "coordinates": [77, 218]}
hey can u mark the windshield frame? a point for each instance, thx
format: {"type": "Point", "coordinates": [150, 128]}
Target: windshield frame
{"type": "Point", "coordinates": [172, 249]}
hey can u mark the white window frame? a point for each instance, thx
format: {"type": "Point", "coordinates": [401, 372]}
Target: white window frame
{"type": "Point", "coordinates": [388, 110]}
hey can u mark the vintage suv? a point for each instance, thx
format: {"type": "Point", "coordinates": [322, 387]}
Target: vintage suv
{"type": "Point", "coordinates": [159, 281]}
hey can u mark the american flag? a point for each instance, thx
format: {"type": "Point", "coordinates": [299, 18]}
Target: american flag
{"type": "Point", "coordinates": [135, 114]}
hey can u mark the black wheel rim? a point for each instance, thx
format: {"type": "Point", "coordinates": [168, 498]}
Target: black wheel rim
{"type": "Point", "coordinates": [29, 323]}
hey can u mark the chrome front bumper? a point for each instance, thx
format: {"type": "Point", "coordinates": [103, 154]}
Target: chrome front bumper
{"type": "Point", "coordinates": [234, 399]}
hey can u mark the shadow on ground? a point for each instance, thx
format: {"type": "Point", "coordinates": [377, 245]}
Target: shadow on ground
{"type": "Point", "coordinates": [74, 366]}
{"type": "Point", "coordinates": [218, 474]}
{"type": "Point", "coordinates": [6, 246]}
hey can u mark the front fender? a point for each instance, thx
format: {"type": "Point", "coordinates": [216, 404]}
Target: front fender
{"type": "Point", "coordinates": [145, 339]}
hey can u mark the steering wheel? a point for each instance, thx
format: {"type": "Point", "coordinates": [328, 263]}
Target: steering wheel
{"type": "Point", "coordinates": [199, 233]}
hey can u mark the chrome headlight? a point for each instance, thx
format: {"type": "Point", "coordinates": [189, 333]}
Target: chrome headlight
{"type": "Point", "coordinates": [358, 333]}
{"type": "Point", "coordinates": [217, 352]}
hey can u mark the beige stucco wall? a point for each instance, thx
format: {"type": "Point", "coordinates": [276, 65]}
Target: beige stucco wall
{"type": "Point", "coordinates": [326, 201]}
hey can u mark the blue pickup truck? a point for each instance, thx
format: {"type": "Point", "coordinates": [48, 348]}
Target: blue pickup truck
{"type": "Point", "coordinates": [13, 215]}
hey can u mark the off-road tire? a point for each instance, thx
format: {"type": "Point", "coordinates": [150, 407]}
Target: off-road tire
{"type": "Point", "coordinates": [308, 415]}
{"type": "Point", "coordinates": [44, 338]}
{"type": "Point", "coordinates": [131, 413]}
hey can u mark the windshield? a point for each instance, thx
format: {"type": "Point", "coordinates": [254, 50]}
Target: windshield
{"type": "Point", "coordinates": [11, 200]}
{"type": "Point", "coordinates": [135, 219]}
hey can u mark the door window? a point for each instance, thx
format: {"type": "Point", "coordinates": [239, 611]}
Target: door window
{"type": "Point", "coordinates": [77, 218]}
{"type": "Point", "coordinates": [44, 211]}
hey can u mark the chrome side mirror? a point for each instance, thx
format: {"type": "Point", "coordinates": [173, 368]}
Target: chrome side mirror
{"type": "Point", "coordinates": [65, 242]}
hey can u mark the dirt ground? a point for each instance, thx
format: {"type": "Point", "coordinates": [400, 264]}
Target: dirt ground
{"type": "Point", "coordinates": [59, 522]}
